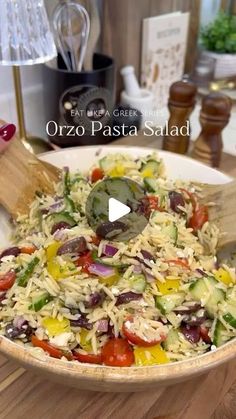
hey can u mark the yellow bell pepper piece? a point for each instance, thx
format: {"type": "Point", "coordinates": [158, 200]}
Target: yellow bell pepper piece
{"type": "Point", "coordinates": [54, 268]}
{"type": "Point", "coordinates": [168, 286]}
{"type": "Point", "coordinates": [150, 356]}
{"type": "Point", "coordinates": [147, 173]}
{"type": "Point", "coordinates": [84, 343]}
{"type": "Point", "coordinates": [117, 171]}
{"type": "Point", "coordinates": [55, 327]}
{"type": "Point", "coordinates": [223, 276]}
{"type": "Point", "coordinates": [52, 249]}
{"type": "Point", "coordinates": [58, 271]}
{"type": "Point", "coordinates": [109, 280]}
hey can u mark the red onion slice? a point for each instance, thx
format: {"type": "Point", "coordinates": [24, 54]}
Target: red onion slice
{"type": "Point", "coordinates": [102, 326]}
{"type": "Point", "coordinates": [109, 250]}
{"type": "Point", "coordinates": [101, 270]}
{"type": "Point", "coordinates": [126, 297]}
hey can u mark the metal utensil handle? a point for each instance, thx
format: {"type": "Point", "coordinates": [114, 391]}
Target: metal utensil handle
{"type": "Point", "coordinates": [57, 27]}
{"type": "Point", "coordinates": [74, 42]}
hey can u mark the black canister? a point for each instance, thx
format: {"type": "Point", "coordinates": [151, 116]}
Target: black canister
{"type": "Point", "coordinates": [78, 105]}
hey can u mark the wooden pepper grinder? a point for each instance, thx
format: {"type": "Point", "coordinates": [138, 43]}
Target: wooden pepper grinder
{"type": "Point", "coordinates": [181, 104]}
{"type": "Point", "coordinates": [214, 116]}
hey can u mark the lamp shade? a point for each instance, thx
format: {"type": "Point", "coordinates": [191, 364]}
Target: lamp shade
{"type": "Point", "coordinates": [25, 35]}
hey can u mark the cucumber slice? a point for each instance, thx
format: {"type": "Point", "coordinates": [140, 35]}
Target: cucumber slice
{"type": "Point", "coordinates": [105, 164]}
{"type": "Point", "coordinates": [167, 303]}
{"type": "Point", "coordinates": [119, 188]}
{"type": "Point", "coordinates": [100, 203]}
{"type": "Point", "coordinates": [230, 313]}
{"type": "Point", "coordinates": [172, 340]}
{"type": "Point", "coordinates": [70, 206]}
{"type": "Point", "coordinates": [40, 301]}
{"type": "Point", "coordinates": [112, 262]}
{"type": "Point", "coordinates": [151, 168]}
{"type": "Point", "coordinates": [138, 283]}
{"type": "Point", "coordinates": [64, 216]}
{"type": "Point", "coordinates": [150, 184]}
{"type": "Point", "coordinates": [207, 287]}
{"type": "Point", "coordinates": [171, 230]}
{"type": "Point", "coordinates": [220, 336]}
{"type": "Point", "coordinates": [26, 274]}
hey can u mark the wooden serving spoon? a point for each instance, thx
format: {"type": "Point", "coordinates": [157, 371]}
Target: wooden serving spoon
{"type": "Point", "coordinates": [223, 214]}
{"type": "Point", "coordinates": [21, 175]}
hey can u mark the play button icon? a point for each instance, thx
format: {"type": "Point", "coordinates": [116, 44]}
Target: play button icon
{"type": "Point", "coordinates": [116, 209]}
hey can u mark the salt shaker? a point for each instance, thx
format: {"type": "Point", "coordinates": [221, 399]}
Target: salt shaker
{"type": "Point", "coordinates": [181, 104]}
{"type": "Point", "coordinates": [214, 117]}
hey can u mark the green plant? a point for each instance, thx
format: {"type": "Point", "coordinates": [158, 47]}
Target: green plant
{"type": "Point", "coordinates": [220, 35]}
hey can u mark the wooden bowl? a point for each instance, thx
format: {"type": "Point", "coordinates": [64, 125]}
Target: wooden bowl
{"type": "Point", "coordinates": [99, 377]}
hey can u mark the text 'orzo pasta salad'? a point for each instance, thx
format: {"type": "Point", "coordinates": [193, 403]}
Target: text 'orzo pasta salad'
{"type": "Point", "coordinates": [157, 298]}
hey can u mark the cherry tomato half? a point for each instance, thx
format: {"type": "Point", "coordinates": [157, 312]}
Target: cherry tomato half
{"type": "Point", "coordinates": [7, 280]}
{"type": "Point", "coordinates": [85, 261]}
{"type": "Point", "coordinates": [137, 340]}
{"type": "Point", "coordinates": [29, 250]}
{"type": "Point", "coordinates": [192, 198]}
{"type": "Point", "coordinates": [96, 240]}
{"type": "Point", "coordinates": [153, 202]}
{"type": "Point", "coordinates": [204, 333]}
{"type": "Point", "coordinates": [117, 352]}
{"type": "Point", "coordinates": [199, 218]}
{"type": "Point", "coordinates": [97, 174]}
{"type": "Point", "coordinates": [88, 358]}
{"type": "Point", "coordinates": [50, 349]}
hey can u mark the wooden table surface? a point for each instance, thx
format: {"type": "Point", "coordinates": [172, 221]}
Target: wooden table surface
{"type": "Point", "coordinates": [24, 395]}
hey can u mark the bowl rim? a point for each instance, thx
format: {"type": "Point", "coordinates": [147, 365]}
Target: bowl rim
{"type": "Point", "coordinates": [130, 148]}
{"type": "Point", "coordinates": [173, 371]}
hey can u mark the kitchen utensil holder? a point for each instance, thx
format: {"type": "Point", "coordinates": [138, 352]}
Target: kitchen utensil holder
{"type": "Point", "coordinates": [77, 104]}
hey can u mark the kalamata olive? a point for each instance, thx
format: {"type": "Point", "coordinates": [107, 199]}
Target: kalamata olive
{"type": "Point", "coordinates": [13, 332]}
{"type": "Point", "coordinates": [11, 251]}
{"type": "Point", "coordinates": [147, 255]}
{"type": "Point", "coordinates": [81, 322]}
{"type": "Point", "coordinates": [2, 296]}
{"type": "Point", "coordinates": [176, 199]}
{"type": "Point", "coordinates": [77, 246]}
{"type": "Point", "coordinates": [126, 297]}
{"type": "Point", "coordinates": [188, 308]}
{"type": "Point", "coordinates": [59, 226]}
{"type": "Point", "coordinates": [27, 330]}
{"type": "Point", "coordinates": [195, 319]}
{"type": "Point", "coordinates": [110, 230]}
{"type": "Point", "coordinates": [191, 333]}
{"type": "Point", "coordinates": [95, 299]}
{"type": "Point", "coordinates": [110, 330]}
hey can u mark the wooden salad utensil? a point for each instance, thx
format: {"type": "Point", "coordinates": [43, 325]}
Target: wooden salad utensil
{"type": "Point", "coordinates": [22, 174]}
{"type": "Point", "coordinates": [223, 212]}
